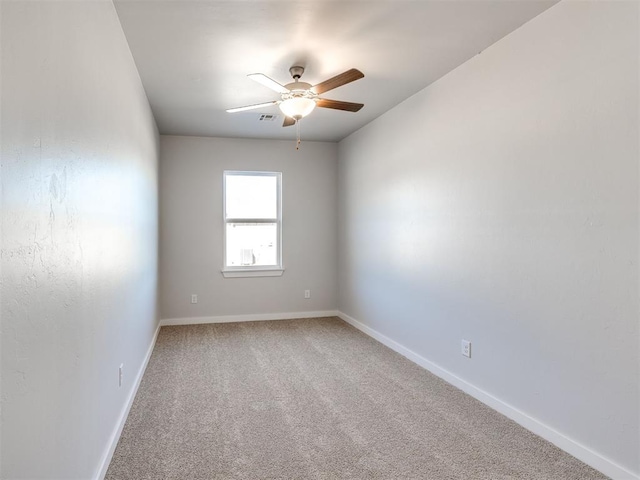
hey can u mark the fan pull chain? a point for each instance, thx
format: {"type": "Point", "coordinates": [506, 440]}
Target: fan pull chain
{"type": "Point", "coordinates": [298, 134]}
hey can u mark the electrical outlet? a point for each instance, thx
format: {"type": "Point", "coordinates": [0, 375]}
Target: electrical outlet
{"type": "Point", "coordinates": [120, 371]}
{"type": "Point", "coordinates": [194, 298]}
{"type": "Point", "coordinates": [466, 348]}
{"type": "Point", "coordinates": [307, 294]}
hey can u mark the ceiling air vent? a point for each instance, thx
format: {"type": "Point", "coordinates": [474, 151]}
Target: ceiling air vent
{"type": "Point", "coordinates": [267, 117]}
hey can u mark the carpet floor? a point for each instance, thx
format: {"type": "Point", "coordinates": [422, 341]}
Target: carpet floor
{"type": "Point", "coordinates": [314, 399]}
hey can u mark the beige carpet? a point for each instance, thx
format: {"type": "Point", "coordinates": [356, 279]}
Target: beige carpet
{"type": "Point", "coordinates": [314, 398]}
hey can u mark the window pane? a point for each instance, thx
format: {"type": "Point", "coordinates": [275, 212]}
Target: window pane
{"type": "Point", "coordinates": [251, 196]}
{"type": "Point", "coordinates": [252, 244]}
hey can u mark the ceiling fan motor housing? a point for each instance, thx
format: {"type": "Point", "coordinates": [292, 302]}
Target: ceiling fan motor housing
{"type": "Point", "coordinates": [298, 89]}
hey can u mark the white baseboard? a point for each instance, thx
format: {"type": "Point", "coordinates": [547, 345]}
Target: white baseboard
{"type": "Point", "coordinates": [117, 431]}
{"type": "Point", "coordinates": [246, 318]}
{"type": "Point", "coordinates": [570, 446]}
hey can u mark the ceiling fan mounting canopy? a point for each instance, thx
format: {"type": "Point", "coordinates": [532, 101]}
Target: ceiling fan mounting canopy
{"type": "Point", "coordinates": [299, 99]}
{"type": "Point", "coordinates": [296, 72]}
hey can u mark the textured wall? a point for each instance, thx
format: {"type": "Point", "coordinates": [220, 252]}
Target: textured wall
{"type": "Point", "coordinates": [191, 227]}
{"type": "Point", "coordinates": [500, 205]}
{"type": "Point", "coordinates": [79, 234]}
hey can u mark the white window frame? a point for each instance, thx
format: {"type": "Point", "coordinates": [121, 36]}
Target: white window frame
{"type": "Point", "coordinates": [252, 270]}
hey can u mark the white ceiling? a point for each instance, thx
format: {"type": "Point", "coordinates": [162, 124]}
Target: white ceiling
{"type": "Point", "coordinates": [194, 56]}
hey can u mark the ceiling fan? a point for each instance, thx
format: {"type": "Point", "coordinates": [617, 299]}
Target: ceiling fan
{"type": "Point", "coordinates": [298, 99]}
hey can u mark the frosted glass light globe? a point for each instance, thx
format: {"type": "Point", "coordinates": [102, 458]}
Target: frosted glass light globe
{"type": "Point", "coordinates": [297, 107]}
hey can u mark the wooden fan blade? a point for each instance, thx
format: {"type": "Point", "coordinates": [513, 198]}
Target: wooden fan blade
{"type": "Point", "coordinates": [251, 107]}
{"type": "Point", "coordinates": [288, 121]}
{"type": "Point", "coordinates": [338, 105]}
{"type": "Point", "coordinates": [268, 82]}
{"type": "Point", "coordinates": [337, 81]}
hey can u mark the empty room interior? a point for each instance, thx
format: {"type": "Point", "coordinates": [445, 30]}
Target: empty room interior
{"type": "Point", "coordinates": [277, 239]}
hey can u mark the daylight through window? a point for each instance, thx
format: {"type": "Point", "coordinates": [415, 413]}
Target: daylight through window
{"type": "Point", "coordinates": [252, 218]}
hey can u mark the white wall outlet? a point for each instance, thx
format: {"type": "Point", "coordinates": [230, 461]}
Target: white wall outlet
{"type": "Point", "coordinates": [120, 369]}
{"type": "Point", "coordinates": [194, 298]}
{"type": "Point", "coordinates": [307, 294]}
{"type": "Point", "coordinates": [466, 348]}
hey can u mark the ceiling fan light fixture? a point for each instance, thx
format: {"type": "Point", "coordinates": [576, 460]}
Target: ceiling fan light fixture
{"type": "Point", "coordinates": [299, 99]}
{"type": "Point", "coordinates": [297, 107]}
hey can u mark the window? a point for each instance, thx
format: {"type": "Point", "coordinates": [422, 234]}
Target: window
{"type": "Point", "coordinates": [252, 224]}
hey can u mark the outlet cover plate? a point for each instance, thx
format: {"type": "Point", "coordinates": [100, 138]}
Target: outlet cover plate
{"type": "Point", "coordinates": [466, 348]}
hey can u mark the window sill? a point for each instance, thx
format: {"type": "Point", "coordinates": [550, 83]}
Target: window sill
{"type": "Point", "coordinates": [266, 272]}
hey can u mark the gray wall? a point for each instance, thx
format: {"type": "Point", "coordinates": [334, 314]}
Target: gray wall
{"type": "Point", "coordinates": [500, 205]}
{"type": "Point", "coordinates": [79, 234]}
{"type": "Point", "coordinates": [191, 227]}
